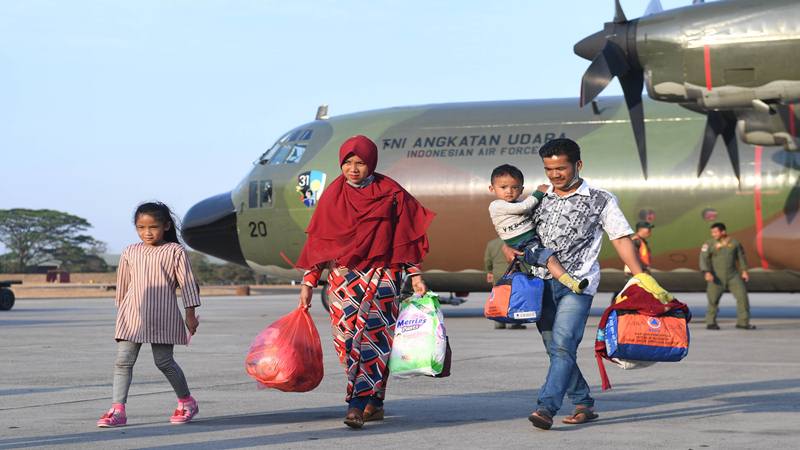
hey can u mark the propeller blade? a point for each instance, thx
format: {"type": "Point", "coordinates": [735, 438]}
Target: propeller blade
{"type": "Point", "coordinates": [720, 123]}
{"type": "Point", "coordinates": [616, 59]}
{"type": "Point", "coordinates": [731, 143]}
{"type": "Point", "coordinates": [654, 7]}
{"type": "Point", "coordinates": [595, 79]}
{"type": "Point", "coordinates": [590, 46]}
{"type": "Point", "coordinates": [709, 139]}
{"type": "Point", "coordinates": [792, 204]}
{"type": "Point", "coordinates": [619, 14]}
{"type": "Point", "coordinates": [632, 84]}
{"type": "Point", "coordinates": [609, 63]}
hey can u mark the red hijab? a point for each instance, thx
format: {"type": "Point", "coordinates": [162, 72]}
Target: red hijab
{"type": "Point", "coordinates": [378, 225]}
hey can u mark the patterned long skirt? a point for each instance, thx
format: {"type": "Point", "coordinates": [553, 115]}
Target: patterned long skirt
{"type": "Point", "coordinates": [363, 309]}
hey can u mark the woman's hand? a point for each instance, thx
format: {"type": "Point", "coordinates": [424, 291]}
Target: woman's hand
{"type": "Point", "coordinates": [306, 295]}
{"type": "Point", "coordinates": [418, 284]}
{"type": "Point", "coordinates": [191, 321]}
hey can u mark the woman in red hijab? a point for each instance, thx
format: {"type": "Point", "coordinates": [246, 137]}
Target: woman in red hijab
{"type": "Point", "coordinates": [367, 231]}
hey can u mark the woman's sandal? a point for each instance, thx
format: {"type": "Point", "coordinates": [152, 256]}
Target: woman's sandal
{"type": "Point", "coordinates": [581, 415]}
{"type": "Point", "coordinates": [354, 418]}
{"type": "Point", "coordinates": [541, 420]}
{"type": "Point", "coordinates": [373, 413]}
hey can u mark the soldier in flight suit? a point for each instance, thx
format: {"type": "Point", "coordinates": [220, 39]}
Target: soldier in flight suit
{"type": "Point", "coordinates": [724, 266]}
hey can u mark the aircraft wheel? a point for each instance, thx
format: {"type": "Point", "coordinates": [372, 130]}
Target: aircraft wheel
{"type": "Point", "coordinates": [6, 299]}
{"type": "Point", "coordinates": [323, 297]}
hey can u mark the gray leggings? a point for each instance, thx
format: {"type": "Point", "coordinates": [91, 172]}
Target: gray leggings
{"type": "Point", "coordinates": [127, 352]}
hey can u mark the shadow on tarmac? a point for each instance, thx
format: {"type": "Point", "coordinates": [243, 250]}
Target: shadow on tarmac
{"type": "Point", "coordinates": [39, 390]}
{"type": "Point", "coordinates": [441, 412]}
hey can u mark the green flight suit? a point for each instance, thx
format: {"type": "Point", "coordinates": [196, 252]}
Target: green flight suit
{"type": "Point", "coordinates": [494, 261]}
{"type": "Point", "coordinates": [726, 262]}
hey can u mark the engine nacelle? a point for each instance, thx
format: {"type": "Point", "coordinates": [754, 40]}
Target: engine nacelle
{"type": "Point", "coordinates": [773, 128]}
{"type": "Point", "coordinates": [722, 55]}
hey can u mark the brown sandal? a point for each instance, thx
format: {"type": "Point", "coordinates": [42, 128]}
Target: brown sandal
{"type": "Point", "coordinates": [373, 413]}
{"type": "Point", "coordinates": [581, 415]}
{"type": "Point", "coordinates": [541, 420]}
{"type": "Point", "coordinates": [354, 418]}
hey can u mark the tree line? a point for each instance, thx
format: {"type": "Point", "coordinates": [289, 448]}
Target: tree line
{"type": "Point", "coordinates": [33, 237]}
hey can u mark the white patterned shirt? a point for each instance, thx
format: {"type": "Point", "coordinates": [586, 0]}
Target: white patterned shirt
{"type": "Point", "coordinates": [573, 226]}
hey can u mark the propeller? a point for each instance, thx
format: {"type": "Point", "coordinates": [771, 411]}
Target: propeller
{"type": "Point", "coordinates": [654, 7]}
{"type": "Point", "coordinates": [613, 54]}
{"type": "Point", "coordinates": [720, 123]}
{"type": "Point", "coordinates": [788, 115]}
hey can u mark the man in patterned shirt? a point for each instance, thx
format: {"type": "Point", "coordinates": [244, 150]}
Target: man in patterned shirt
{"type": "Point", "coordinates": [571, 220]}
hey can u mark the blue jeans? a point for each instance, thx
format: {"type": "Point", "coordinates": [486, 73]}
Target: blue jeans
{"type": "Point", "coordinates": [535, 253]}
{"type": "Point", "coordinates": [561, 325]}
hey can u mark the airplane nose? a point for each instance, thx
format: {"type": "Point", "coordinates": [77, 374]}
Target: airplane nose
{"type": "Point", "coordinates": [210, 227]}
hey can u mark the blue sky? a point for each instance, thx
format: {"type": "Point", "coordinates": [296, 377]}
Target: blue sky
{"type": "Point", "coordinates": [105, 104]}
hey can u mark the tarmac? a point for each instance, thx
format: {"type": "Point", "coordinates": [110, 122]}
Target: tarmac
{"type": "Point", "coordinates": [736, 389]}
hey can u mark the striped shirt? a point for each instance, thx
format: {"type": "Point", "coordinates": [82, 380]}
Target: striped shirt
{"type": "Point", "coordinates": [147, 307]}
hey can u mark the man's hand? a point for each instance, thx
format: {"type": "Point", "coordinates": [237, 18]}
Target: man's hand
{"type": "Point", "coordinates": [510, 253]}
{"type": "Point", "coordinates": [418, 284]}
{"type": "Point", "coordinates": [306, 294]}
{"type": "Point", "coordinates": [490, 277]}
{"type": "Point", "coordinates": [628, 254]}
{"type": "Point", "coordinates": [709, 277]}
{"type": "Point", "coordinates": [745, 276]}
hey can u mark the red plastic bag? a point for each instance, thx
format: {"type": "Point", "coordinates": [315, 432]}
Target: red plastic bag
{"type": "Point", "coordinates": [287, 355]}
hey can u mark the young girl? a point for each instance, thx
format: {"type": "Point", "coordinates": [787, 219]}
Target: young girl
{"type": "Point", "coordinates": [147, 309]}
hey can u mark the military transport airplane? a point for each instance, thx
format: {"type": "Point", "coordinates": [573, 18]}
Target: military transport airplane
{"type": "Point", "coordinates": [728, 66]}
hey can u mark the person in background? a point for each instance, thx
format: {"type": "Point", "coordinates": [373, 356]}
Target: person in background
{"type": "Point", "coordinates": [724, 267]}
{"type": "Point", "coordinates": [494, 261]}
{"type": "Point", "coordinates": [643, 232]}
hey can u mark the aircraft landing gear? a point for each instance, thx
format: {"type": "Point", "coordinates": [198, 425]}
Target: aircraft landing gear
{"type": "Point", "coordinates": [6, 299]}
{"type": "Point", "coordinates": [454, 300]}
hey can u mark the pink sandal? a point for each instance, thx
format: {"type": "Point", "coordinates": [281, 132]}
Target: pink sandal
{"type": "Point", "coordinates": [113, 418]}
{"type": "Point", "coordinates": [186, 410]}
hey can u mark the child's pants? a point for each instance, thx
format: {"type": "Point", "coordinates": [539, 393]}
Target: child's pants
{"type": "Point", "coordinates": [536, 254]}
{"type": "Point", "coordinates": [127, 352]}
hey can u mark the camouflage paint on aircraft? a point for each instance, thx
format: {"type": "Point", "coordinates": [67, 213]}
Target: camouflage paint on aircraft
{"type": "Point", "coordinates": [452, 179]}
{"type": "Point", "coordinates": [443, 154]}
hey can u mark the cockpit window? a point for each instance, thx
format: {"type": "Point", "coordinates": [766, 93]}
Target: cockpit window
{"type": "Point", "coordinates": [296, 154]}
{"type": "Point", "coordinates": [289, 149]}
{"type": "Point", "coordinates": [280, 155]}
